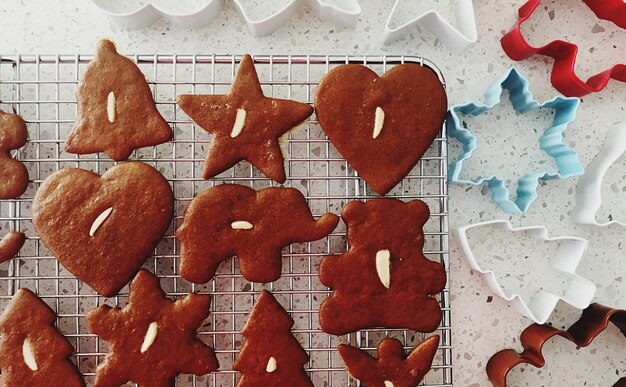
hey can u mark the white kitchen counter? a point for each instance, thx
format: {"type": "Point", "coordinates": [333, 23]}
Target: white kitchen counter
{"type": "Point", "coordinates": [481, 324]}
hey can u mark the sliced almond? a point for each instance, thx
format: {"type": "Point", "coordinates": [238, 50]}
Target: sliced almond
{"type": "Point", "coordinates": [379, 120]}
{"type": "Point", "coordinates": [111, 109]}
{"type": "Point", "coordinates": [383, 267]}
{"type": "Point", "coordinates": [99, 220]}
{"type": "Point", "coordinates": [388, 383]}
{"type": "Point", "coordinates": [271, 365]}
{"type": "Point", "coordinates": [151, 335]}
{"type": "Point", "coordinates": [240, 120]}
{"type": "Point", "coordinates": [241, 225]}
{"type": "Point", "coordinates": [29, 355]}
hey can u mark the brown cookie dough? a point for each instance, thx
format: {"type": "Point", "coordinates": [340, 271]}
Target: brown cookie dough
{"type": "Point", "coordinates": [230, 219]}
{"type": "Point", "coordinates": [271, 355]}
{"type": "Point", "coordinates": [116, 112]}
{"type": "Point", "coordinates": [102, 229]}
{"type": "Point", "coordinates": [32, 351]}
{"type": "Point", "coordinates": [13, 174]}
{"type": "Point", "coordinates": [11, 244]}
{"type": "Point", "coordinates": [381, 125]}
{"type": "Point", "coordinates": [152, 339]}
{"type": "Point", "coordinates": [384, 279]}
{"type": "Point", "coordinates": [245, 124]}
{"type": "Point", "coordinates": [391, 369]}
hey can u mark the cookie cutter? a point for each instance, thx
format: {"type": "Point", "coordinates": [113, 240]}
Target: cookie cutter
{"type": "Point", "coordinates": [343, 13]}
{"type": "Point", "coordinates": [578, 293]}
{"type": "Point", "coordinates": [457, 37]}
{"type": "Point", "coordinates": [589, 189]}
{"type": "Point", "coordinates": [593, 321]}
{"type": "Point", "coordinates": [564, 77]}
{"type": "Point", "coordinates": [551, 141]}
{"type": "Point", "coordinates": [146, 12]}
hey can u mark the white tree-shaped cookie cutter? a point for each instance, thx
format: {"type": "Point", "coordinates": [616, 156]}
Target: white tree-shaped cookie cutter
{"type": "Point", "coordinates": [579, 293]}
{"type": "Point", "coordinates": [589, 189]}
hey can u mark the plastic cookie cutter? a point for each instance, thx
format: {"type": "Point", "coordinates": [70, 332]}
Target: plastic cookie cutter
{"type": "Point", "coordinates": [579, 291]}
{"type": "Point", "coordinates": [457, 35]}
{"type": "Point", "coordinates": [344, 13]}
{"type": "Point", "coordinates": [589, 190]}
{"type": "Point", "coordinates": [551, 141]}
{"type": "Point", "coordinates": [135, 14]}
{"type": "Point", "coordinates": [593, 321]}
{"type": "Point", "coordinates": [564, 78]}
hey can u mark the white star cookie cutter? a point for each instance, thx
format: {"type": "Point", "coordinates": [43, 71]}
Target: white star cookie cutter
{"type": "Point", "coordinates": [344, 13]}
{"type": "Point", "coordinates": [134, 14]}
{"type": "Point", "coordinates": [589, 190]}
{"type": "Point", "coordinates": [578, 291]}
{"type": "Point", "coordinates": [457, 35]}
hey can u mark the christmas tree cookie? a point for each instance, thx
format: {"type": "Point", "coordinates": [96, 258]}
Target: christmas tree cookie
{"type": "Point", "coordinates": [116, 112]}
{"type": "Point", "coordinates": [384, 279]}
{"type": "Point", "coordinates": [13, 174]}
{"type": "Point", "coordinates": [271, 355]}
{"type": "Point", "coordinates": [391, 369]}
{"type": "Point", "coordinates": [152, 339]}
{"type": "Point", "coordinates": [32, 351]}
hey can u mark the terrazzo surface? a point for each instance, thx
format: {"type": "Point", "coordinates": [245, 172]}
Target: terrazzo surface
{"type": "Point", "coordinates": [482, 324]}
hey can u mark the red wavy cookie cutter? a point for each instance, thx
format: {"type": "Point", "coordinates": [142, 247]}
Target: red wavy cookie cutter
{"type": "Point", "coordinates": [593, 321]}
{"type": "Point", "coordinates": [564, 78]}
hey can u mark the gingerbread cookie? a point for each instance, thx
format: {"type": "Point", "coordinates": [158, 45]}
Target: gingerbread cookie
{"type": "Point", "coordinates": [384, 279]}
{"type": "Point", "coordinates": [13, 174]}
{"type": "Point", "coordinates": [152, 339]}
{"type": "Point", "coordinates": [229, 220]}
{"type": "Point", "coordinates": [116, 112]}
{"type": "Point", "coordinates": [381, 125]}
{"type": "Point", "coordinates": [245, 124]}
{"type": "Point", "coordinates": [271, 355]}
{"type": "Point", "coordinates": [32, 351]}
{"type": "Point", "coordinates": [391, 369]}
{"type": "Point", "coordinates": [103, 229]}
{"type": "Point", "coordinates": [11, 244]}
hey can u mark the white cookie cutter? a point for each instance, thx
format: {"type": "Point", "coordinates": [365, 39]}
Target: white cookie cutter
{"type": "Point", "coordinates": [579, 292]}
{"type": "Point", "coordinates": [457, 37]}
{"type": "Point", "coordinates": [344, 13]}
{"type": "Point", "coordinates": [143, 13]}
{"type": "Point", "coordinates": [589, 190]}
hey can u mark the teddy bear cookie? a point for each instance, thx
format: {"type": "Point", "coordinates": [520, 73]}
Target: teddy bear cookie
{"type": "Point", "coordinates": [271, 355]}
{"type": "Point", "coordinates": [381, 125]}
{"type": "Point", "coordinates": [395, 283]}
{"type": "Point", "coordinates": [230, 219]}
{"type": "Point", "coordinates": [116, 112]}
{"type": "Point", "coordinates": [391, 369]}
{"type": "Point", "coordinates": [152, 339]}
{"type": "Point", "coordinates": [13, 174]}
{"type": "Point", "coordinates": [11, 244]}
{"type": "Point", "coordinates": [245, 124]}
{"type": "Point", "coordinates": [103, 228]}
{"type": "Point", "coordinates": [32, 351]}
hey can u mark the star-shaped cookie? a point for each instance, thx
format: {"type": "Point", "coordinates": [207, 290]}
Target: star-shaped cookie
{"type": "Point", "coordinates": [245, 124]}
{"type": "Point", "coordinates": [153, 338]}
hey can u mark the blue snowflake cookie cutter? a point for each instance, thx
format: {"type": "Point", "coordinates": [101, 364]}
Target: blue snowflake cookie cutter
{"type": "Point", "coordinates": [551, 141]}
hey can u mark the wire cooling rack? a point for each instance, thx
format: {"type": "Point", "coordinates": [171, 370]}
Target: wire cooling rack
{"type": "Point", "coordinates": [41, 88]}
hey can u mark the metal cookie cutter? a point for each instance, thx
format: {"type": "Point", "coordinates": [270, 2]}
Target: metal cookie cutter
{"type": "Point", "coordinates": [344, 13]}
{"type": "Point", "coordinates": [457, 37]}
{"type": "Point", "coordinates": [579, 291]}
{"type": "Point", "coordinates": [564, 78]}
{"type": "Point", "coordinates": [593, 321]}
{"type": "Point", "coordinates": [551, 141]}
{"type": "Point", "coordinates": [134, 14]}
{"type": "Point", "coordinates": [589, 190]}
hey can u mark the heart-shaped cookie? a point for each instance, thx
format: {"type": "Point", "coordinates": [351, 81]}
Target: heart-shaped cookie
{"type": "Point", "coordinates": [102, 229]}
{"type": "Point", "coordinates": [381, 125]}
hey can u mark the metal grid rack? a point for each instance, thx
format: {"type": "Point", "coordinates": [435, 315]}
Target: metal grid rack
{"type": "Point", "coordinates": [42, 88]}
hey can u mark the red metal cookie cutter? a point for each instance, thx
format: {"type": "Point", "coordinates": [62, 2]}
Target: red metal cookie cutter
{"type": "Point", "coordinates": [564, 53]}
{"type": "Point", "coordinates": [592, 322]}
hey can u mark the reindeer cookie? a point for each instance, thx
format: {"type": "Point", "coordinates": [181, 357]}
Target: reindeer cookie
{"type": "Point", "coordinates": [13, 174]}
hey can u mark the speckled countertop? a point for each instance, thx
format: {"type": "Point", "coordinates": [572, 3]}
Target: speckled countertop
{"type": "Point", "coordinates": [482, 324]}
